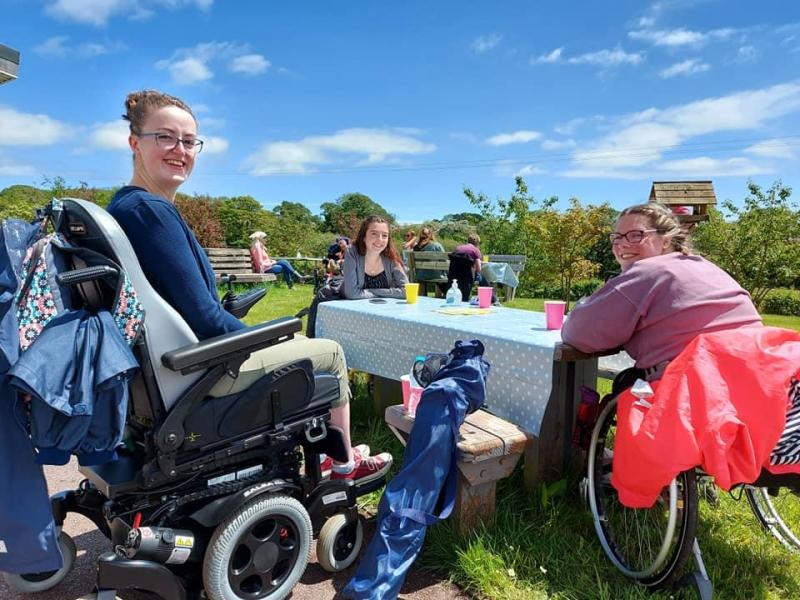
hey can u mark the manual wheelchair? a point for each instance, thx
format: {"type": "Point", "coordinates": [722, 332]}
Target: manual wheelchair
{"type": "Point", "coordinates": [218, 498]}
{"type": "Point", "coordinates": [652, 545]}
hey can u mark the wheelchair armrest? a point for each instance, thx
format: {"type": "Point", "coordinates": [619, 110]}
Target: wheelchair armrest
{"type": "Point", "coordinates": [212, 351]}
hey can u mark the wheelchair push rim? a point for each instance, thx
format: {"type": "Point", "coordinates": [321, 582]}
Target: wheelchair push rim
{"type": "Point", "coordinates": [777, 510]}
{"type": "Point", "coordinates": [649, 545]}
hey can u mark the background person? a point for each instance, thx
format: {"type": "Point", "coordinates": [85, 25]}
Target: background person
{"type": "Point", "coordinates": [664, 297]}
{"type": "Point", "coordinates": [409, 239]}
{"type": "Point", "coordinates": [372, 266]}
{"type": "Point", "coordinates": [163, 139]}
{"type": "Point", "coordinates": [262, 263]}
{"type": "Point", "coordinates": [427, 243]}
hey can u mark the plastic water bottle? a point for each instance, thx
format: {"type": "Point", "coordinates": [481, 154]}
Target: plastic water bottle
{"type": "Point", "coordinates": [453, 297]}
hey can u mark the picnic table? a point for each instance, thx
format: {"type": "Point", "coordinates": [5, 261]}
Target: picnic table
{"type": "Point", "coordinates": [534, 382]}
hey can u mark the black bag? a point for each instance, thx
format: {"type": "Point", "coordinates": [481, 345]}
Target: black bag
{"type": "Point", "coordinates": [331, 290]}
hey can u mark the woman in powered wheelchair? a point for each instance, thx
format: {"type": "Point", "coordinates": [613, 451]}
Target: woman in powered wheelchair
{"type": "Point", "coordinates": [237, 448]}
{"type": "Point", "coordinates": [713, 395]}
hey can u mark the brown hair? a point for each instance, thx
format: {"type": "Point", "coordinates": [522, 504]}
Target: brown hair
{"type": "Point", "coordinates": [474, 239]}
{"type": "Point", "coordinates": [425, 236]}
{"type": "Point", "coordinates": [665, 222]}
{"type": "Point", "coordinates": [140, 104]}
{"type": "Point", "coordinates": [390, 252]}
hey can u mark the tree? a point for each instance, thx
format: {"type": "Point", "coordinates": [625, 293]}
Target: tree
{"type": "Point", "coordinates": [296, 212]}
{"type": "Point", "coordinates": [346, 213]}
{"type": "Point", "coordinates": [564, 241]}
{"type": "Point", "coordinates": [503, 227]}
{"type": "Point", "coordinates": [21, 202]}
{"type": "Point", "coordinates": [202, 215]}
{"type": "Point", "coordinates": [758, 244]}
{"type": "Point", "coordinates": [242, 215]}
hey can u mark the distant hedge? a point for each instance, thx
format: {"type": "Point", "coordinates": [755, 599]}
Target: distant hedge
{"type": "Point", "coordinates": [782, 302]}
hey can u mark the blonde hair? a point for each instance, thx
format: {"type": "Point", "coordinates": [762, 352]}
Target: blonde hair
{"type": "Point", "coordinates": [665, 222]}
{"type": "Point", "coordinates": [140, 104]}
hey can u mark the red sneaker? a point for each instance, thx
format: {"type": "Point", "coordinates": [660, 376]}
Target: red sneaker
{"type": "Point", "coordinates": [326, 466]}
{"type": "Point", "coordinates": [367, 468]}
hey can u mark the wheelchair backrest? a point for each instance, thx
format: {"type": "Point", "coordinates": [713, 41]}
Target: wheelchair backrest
{"type": "Point", "coordinates": [88, 225]}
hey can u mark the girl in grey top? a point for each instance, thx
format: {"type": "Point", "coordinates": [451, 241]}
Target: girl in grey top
{"type": "Point", "coordinates": [372, 266]}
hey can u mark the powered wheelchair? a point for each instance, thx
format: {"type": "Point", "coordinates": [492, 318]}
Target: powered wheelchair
{"type": "Point", "coordinates": [652, 545]}
{"type": "Point", "coordinates": [216, 498]}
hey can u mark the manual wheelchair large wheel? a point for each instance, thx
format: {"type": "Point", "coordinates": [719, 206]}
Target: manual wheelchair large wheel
{"type": "Point", "coordinates": [259, 552]}
{"type": "Point", "coordinates": [339, 542]}
{"type": "Point", "coordinates": [31, 583]}
{"type": "Point", "coordinates": [649, 545]}
{"type": "Point", "coordinates": [778, 511]}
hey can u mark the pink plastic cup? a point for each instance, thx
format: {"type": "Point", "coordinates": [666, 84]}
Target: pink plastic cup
{"type": "Point", "coordinates": [411, 395]}
{"type": "Point", "coordinates": [405, 383]}
{"type": "Point", "coordinates": [484, 296]}
{"type": "Point", "coordinates": [554, 313]}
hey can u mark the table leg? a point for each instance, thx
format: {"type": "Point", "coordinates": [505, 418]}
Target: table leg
{"type": "Point", "coordinates": [386, 392]}
{"type": "Point", "coordinates": [552, 450]}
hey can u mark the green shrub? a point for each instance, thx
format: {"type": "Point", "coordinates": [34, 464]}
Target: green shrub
{"type": "Point", "coordinates": [782, 302]}
{"type": "Point", "coordinates": [578, 290]}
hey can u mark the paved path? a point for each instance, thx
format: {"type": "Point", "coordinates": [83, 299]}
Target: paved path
{"type": "Point", "coordinates": [316, 584]}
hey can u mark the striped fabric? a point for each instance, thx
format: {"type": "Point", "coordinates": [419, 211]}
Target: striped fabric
{"type": "Point", "coordinates": [787, 450]}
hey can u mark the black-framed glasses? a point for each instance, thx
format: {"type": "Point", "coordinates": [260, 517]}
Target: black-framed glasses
{"type": "Point", "coordinates": [168, 141]}
{"type": "Point", "coordinates": [634, 236]}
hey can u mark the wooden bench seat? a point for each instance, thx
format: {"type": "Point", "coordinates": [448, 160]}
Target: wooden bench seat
{"type": "Point", "coordinates": [235, 261]}
{"type": "Point", "coordinates": [428, 261]}
{"type": "Point", "coordinates": [489, 449]}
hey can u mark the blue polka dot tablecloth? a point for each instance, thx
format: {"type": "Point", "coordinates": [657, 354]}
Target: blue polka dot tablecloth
{"type": "Point", "coordinates": [383, 339]}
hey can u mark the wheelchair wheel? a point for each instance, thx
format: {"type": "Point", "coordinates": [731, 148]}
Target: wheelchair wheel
{"type": "Point", "coordinates": [339, 543]}
{"type": "Point", "coordinates": [260, 551]}
{"type": "Point", "coordinates": [30, 583]}
{"type": "Point", "coordinates": [649, 545]}
{"type": "Point", "coordinates": [778, 511]}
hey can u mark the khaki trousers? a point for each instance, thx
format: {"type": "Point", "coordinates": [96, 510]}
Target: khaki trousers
{"type": "Point", "coordinates": [326, 356]}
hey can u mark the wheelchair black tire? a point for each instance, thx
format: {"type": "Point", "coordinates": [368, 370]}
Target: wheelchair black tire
{"type": "Point", "coordinates": [31, 583]}
{"type": "Point", "coordinates": [270, 531]}
{"type": "Point", "coordinates": [681, 514]}
{"type": "Point", "coordinates": [767, 508]}
{"type": "Point", "coordinates": [339, 543]}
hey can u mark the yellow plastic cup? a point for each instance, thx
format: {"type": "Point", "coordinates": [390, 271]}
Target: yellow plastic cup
{"type": "Point", "coordinates": [412, 292]}
{"type": "Point", "coordinates": [486, 258]}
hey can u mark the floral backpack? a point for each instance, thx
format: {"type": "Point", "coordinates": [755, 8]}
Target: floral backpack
{"type": "Point", "coordinates": [41, 297]}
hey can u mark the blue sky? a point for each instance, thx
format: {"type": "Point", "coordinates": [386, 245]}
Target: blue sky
{"type": "Point", "coordinates": [410, 101]}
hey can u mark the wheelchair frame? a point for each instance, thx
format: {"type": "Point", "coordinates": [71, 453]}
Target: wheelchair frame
{"type": "Point", "coordinates": [235, 516]}
{"type": "Point", "coordinates": [675, 514]}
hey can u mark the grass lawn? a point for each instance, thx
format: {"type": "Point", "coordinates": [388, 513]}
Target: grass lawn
{"type": "Point", "coordinates": [542, 544]}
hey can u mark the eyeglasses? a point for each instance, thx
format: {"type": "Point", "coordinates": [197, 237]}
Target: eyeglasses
{"type": "Point", "coordinates": [167, 141]}
{"type": "Point", "coordinates": [635, 236]}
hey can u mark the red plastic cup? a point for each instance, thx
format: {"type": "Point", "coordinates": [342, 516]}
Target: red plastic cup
{"type": "Point", "coordinates": [554, 313]}
{"type": "Point", "coordinates": [484, 296]}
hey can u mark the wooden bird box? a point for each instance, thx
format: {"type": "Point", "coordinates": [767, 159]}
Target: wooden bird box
{"type": "Point", "coordinates": [698, 195]}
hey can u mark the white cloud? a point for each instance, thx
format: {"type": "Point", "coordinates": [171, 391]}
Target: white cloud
{"type": "Point", "coordinates": [550, 57]}
{"type": "Point", "coordinates": [99, 12]}
{"type": "Point", "coordinates": [29, 129]}
{"type": "Point", "coordinates": [10, 168]}
{"type": "Point", "coordinates": [58, 47]}
{"type": "Point", "coordinates": [644, 138]}
{"type": "Point", "coordinates": [674, 38]}
{"type": "Point", "coordinates": [517, 137]}
{"type": "Point", "coordinates": [608, 58]}
{"type": "Point", "coordinates": [214, 145]}
{"type": "Point", "coordinates": [557, 144]}
{"type": "Point", "coordinates": [110, 136]}
{"type": "Point", "coordinates": [484, 43]}
{"type": "Point", "coordinates": [303, 156]}
{"type": "Point", "coordinates": [529, 170]}
{"type": "Point", "coordinates": [188, 66]}
{"type": "Point", "coordinates": [250, 64]}
{"type": "Point", "coordinates": [687, 67]}
{"type": "Point", "coordinates": [747, 54]}
{"type": "Point", "coordinates": [775, 148]}
{"type": "Point", "coordinates": [704, 166]}
{"type": "Point", "coordinates": [602, 58]}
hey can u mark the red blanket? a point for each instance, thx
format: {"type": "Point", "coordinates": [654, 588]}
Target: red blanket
{"type": "Point", "coordinates": [720, 405]}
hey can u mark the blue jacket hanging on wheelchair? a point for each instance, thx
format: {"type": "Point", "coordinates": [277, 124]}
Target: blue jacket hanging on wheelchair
{"type": "Point", "coordinates": [424, 490]}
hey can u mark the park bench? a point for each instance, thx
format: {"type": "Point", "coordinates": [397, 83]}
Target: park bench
{"type": "Point", "coordinates": [428, 261]}
{"type": "Point", "coordinates": [235, 261]}
{"type": "Point", "coordinates": [517, 264]}
{"type": "Point", "coordinates": [489, 448]}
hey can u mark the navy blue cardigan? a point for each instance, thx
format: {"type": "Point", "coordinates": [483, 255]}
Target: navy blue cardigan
{"type": "Point", "coordinates": [172, 260]}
